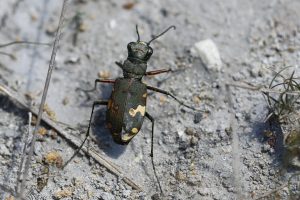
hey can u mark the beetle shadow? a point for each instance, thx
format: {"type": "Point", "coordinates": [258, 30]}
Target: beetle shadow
{"type": "Point", "coordinates": [275, 140]}
{"type": "Point", "coordinates": [91, 94]}
{"type": "Point", "coordinates": [104, 139]}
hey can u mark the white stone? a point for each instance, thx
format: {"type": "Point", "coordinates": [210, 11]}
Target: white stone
{"type": "Point", "coordinates": [112, 24]}
{"type": "Point", "coordinates": [208, 51]}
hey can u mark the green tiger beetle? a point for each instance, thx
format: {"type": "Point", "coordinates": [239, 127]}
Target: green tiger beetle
{"type": "Point", "coordinates": [126, 108]}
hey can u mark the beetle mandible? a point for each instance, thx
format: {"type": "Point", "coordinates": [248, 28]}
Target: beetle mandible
{"type": "Point", "coordinates": [126, 108]}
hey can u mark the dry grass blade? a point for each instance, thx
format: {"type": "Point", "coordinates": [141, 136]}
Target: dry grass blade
{"type": "Point", "coordinates": [8, 54]}
{"type": "Point", "coordinates": [23, 42]}
{"type": "Point", "coordinates": [236, 165]}
{"type": "Point", "coordinates": [286, 184]}
{"type": "Point", "coordinates": [71, 139]}
{"type": "Point", "coordinates": [12, 56]}
{"type": "Point", "coordinates": [19, 174]}
{"type": "Point", "coordinates": [45, 91]}
{"type": "Point", "coordinates": [282, 94]}
{"type": "Point", "coordinates": [247, 86]}
{"type": "Point", "coordinates": [272, 192]}
{"type": "Point", "coordinates": [286, 102]}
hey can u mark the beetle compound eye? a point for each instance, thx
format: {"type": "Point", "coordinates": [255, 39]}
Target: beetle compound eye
{"type": "Point", "coordinates": [129, 45]}
{"type": "Point", "coordinates": [150, 51]}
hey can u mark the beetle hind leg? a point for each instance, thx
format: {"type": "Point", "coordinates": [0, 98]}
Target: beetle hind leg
{"type": "Point", "coordinates": [101, 102]}
{"type": "Point", "coordinates": [151, 154]}
{"type": "Point", "coordinates": [172, 96]}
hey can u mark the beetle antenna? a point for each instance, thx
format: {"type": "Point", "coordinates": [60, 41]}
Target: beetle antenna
{"type": "Point", "coordinates": [155, 37]}
{"type": "Point", "coordinates": [137, 32]}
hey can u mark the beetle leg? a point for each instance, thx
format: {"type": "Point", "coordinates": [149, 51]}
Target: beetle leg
{"type": "Point", "coordinates": [160, 71]}
{"type": "Point", "coordinates": [170, 95]}
{"type": "Point", "coordinates": [151, 154]}
{"type": "Point", "coordinates": [101, 102]}
{"type": "Point", "coordinates": [119, 64]}
{"type": "Point", "coordinates": [152, 131]}
{"type": "Point", "coordinates": [101, 81]}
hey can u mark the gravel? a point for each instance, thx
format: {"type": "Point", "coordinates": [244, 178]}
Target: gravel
{"type": "Point", "coordinates": [197, 155]}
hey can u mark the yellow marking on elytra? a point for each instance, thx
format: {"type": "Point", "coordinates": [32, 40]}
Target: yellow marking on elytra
{"type": "Point", "coordinates": [134, 130]}
{"type": "Point", "coordinates": [145, 95]}
{"type": "Point", "coordinates": [127, 136]}
{"type": "Point", "coordinates": [131, 111]}
{"type": "Point", "coordinates": [140, 109]}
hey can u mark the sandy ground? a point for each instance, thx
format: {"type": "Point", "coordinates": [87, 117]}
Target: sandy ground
{"type": "Point", "coordinates": [195, 154]}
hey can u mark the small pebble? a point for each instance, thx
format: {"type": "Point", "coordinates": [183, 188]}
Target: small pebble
{"type": "Point", "coordinates": [208, 51]}
{"type": "Point", "coordinates": [194, 140]}
{"type": "Point", "coordinates": [198, 117]}
{"type": "Point", "coordinates": [190, 131]}
{"type": "Point", "coordinates": [126, 193]}
{"type": "Point", "coordinates": [266, 148]}
{"type": "Point", "coordinates": [239, 115]}
{"type": "Point", "coordinates": [203, 191]}
{"type": "Point", "coordinates": [73, 59]}
{"type": "Point", "coordinates": [155, 197]}
{"type": "Point", "coordinates": [271, 172]}
{"type": "Point", "coordinates": [107, 196]}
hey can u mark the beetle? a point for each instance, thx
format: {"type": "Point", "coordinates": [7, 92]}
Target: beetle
{"type": "Point", "coordinates": [126, 107]}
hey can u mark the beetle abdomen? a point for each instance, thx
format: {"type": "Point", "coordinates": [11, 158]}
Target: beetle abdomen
{"type": "Point", "coordinates": [126, 109]}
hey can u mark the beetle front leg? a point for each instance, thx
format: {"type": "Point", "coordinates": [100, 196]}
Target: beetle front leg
{"type": "Point", "coordinates": [119, 64]}
{"type": "Point", "coordinates": [101, 102]}
{"type": "Point", "coordinates": [160, 71]}
{"type": "Point", "coordinates": [170, 95]}
{"type": "Point", "coordinates": [151, 154]}
{"type": "Point", "coordinates": [101, 81]}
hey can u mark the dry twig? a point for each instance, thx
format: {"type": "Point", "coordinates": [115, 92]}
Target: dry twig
{"type": "Point", "coordinates": [12, 56]}
{"type": "Point", "coordinates": [23, 42]}
{"type": "Point", "coordinates": [272, 191]}
{"type": "Point", "coordinates": [23, 151]}
{"type": "Point", "coordinates": [286, 184]}
{"type": "Point", "coordinates": [261, 89]}
{"type": "Point", "coordinates": [45, 91]}
{"type": "Point", "coordinates": [235, 146]}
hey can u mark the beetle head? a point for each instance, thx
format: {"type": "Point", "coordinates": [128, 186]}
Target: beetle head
{"type": "Point", "coordinates": [139, 51]}
{"type": "Point", "coordinates": [142, 51]}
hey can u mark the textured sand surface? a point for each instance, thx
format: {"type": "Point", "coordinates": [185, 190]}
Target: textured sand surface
{"type": "Point", "coordinates": [195, 154]}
